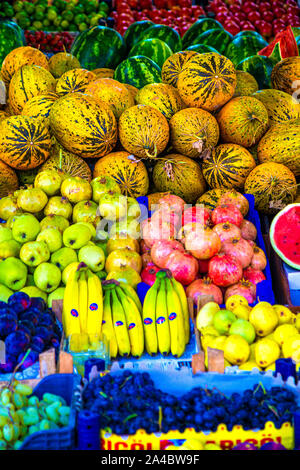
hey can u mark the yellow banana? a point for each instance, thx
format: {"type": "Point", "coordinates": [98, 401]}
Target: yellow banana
{"type": "Point", "coordinates": [161, 320]}
{"type": "Point", "coordinates": [148, 317]}
{"type": "Point", "coordinates": [120, 325]}
{"type": "Point", "coordinates": [130, 292]}
{"type": "Point", "coordinates": [83, 301]}
{"type": "Point", "coordinates": [184, 307]}
{"type": "Point", "coordinates": [70, 314]}
{"type": "Point", "coordinates": [176, 320]}
{"type": "Point", "coordinates": [107, 325]}
{"type": "Point", "coordinates": [134, 323]}
{"type": "Point", "coordinates": [95, 304]}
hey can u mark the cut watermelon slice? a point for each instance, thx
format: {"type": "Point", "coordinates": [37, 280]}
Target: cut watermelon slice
{"type": "Point", "coordinates": [285, 235]}
{"type": "Point", "coordinates": [284, 45]}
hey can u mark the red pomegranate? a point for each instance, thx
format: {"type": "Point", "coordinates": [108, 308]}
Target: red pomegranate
{"type": "Point", "coordinates": [227, 213]}
{"type": "Point", "coordinates": [237, 199]}
{"type": "Point", "coordinates": [189, 227]}
{"type": "Point", "coordinates": [203, 266]}
{"type": "Point", "coordinates": [227, 231]}
{"type": "Point", "coordinates": [164, 214]}
{"type": "Point", "coordinates": [161, 250]}
{"type": "Point", "coordinates": [197, 214]}
{"type": "Point", "coordinates": [154, 232]}
{"type": "Point", "coordinates": [225, 270]}
{"type": "Point", "coordinates": [183, 266]}
{"type": "Point", "coordinates": [204, 286]}
{"type": "Point", "coordinates": [259, 260]}
{"type": "Point", "coordinates": [244, 288]}
{"type": "Point", "coordinates": [175, 203]}
{"type": "Point", "coordinates": [148, 274]}
{"type": "Point", "coordinates": [248, 230]}
{"type": "Point", "coordinates": [240, 249]}
{"type": "Point", "coordinates": [203, 244]}
{"type": "Point", "coordinates": [253, 275]}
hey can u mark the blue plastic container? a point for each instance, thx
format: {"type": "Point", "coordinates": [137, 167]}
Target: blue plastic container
{"type": "Point", "coordinates": [64, 438]}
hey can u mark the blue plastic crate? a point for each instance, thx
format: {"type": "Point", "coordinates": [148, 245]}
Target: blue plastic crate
{"type": "Point", "coordinates": [64, 438]}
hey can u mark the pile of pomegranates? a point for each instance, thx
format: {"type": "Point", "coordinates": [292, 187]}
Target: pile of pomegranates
{"type": "Point", "coordinates": [210, 252]}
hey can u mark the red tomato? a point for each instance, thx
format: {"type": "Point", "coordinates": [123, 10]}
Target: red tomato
{"type": "Point", "coordinates": [254, 16]}
{"type": "Point", "coordinates": [232, 27]}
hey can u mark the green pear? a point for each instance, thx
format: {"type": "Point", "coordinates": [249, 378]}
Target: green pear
{"type": "Point", "coordinates": [32, 200]}
{"type": "Point", "coordinates": [55, 221]}
{"type": "Point", "coordinates": [58, 205]}
{"type": "Point", "coordinates": [13, 273]}
{"type": "Point", "coordinates": [93, 257]}
{"type": "Point", "coordinates": [76, 236]}
{"type": "Point", "coordinates": [223, 320]}
{"type": "Point", "coordinates": [25, 228]}
{"type": "Point", "coordinates": [52, 237]}
{"type": "Point", "coordinates": [206, 315]}
{"type": "Point", "coordinates": [86, 211]}
{"type": "Point", "coordinates": [103, 184]}
{"type": "Point", "coordinates": [133, 208]}
{"type": "Point", "coordinates": [113, 206]}
{"type": "Point", "coordinates": [57, 294]}
{"type": "Point", "coordinates": [5, 233]}
{"type": "Point", "coordinates": [34, 253]}
{"type": "Point", "coordinates": [49, 181]}
{"type": "Point", "coordinates": [47, 277]}
{"type": "Point", "coordinates": [9, 248]}
{"type": "Point", "coordinates": [243, 328]}
{"type": "Point", "coordinates": [34, 291]}
{"type": "Point", "coordinates": [63, 257]}
{"type": "Point", "coordinates": [8, 207]}
{"type": "Point", "coordinates": [90, 226]}
{"type": "Point", "coordinates": [5, 293]}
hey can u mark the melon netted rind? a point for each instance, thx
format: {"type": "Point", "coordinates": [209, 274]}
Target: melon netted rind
{"type": "Point", "coordinates": [294, 230]}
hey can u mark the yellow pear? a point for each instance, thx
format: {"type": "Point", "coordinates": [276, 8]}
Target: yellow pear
{"type": "Point", "coordinates": [264, 318]}
{"type": "Point", "coordinates": [205, 315]}
{"type": "Point", "coordinates": [249, 365]}
{"type": "Point", "coordinates": [252, 352]}
{"type": "Point", "coordinates": [284, 314]}
{"type": "Point", "coordinates": [234, 300]}
{"type": "Point", "coordinates": [218, 342]}
{"type": "Point", "coordinates": [266, 352]}
{"type": "Point", "coordinates": [291, 347]}
{"type": "Point", "coordinates": [242, 311]}
{"type": "Point", "coordinates": [297, 321]}
{"type": "Point", "coordinates": [236, 349]}
{"type": "Point", "coordinates": [283, 332]}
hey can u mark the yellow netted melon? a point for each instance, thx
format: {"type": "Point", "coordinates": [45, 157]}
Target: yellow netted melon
{"type": "Point", "coordinates": [161, 96]}
{"type": "Point", "coordinates": [173, 65]}
{"type": "Point", "coordinates": [246, 84]}
{"type": "Point", "coordinates": [210, 198]}
{"type": "Point", "coordinates": [281, 106]}
{"type": "Point", "coordinates": [39, 106]}
{"type": "Point", "coordinates": [75, 80]}
{"type": "Point", "coordinates": [17, 58]}
{"type": "Point", "coordinates": [8, 180]}
{"type": "Point", "coordinates": [61, 62]}
{"type": "Point", "coordinates": [104, 73]}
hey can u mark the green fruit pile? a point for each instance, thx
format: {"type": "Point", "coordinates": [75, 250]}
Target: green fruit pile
{"type": "Point", "coordinates": [6, 10]}
{"type": "Point", "coordinates": [53, 225]}
{"type": "Point", "coordinates": [60, 15]}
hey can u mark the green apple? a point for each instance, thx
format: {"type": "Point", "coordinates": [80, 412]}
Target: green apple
{"type": "Point", "coordinates": [223, 320]}
{"type": "Point", "coordinates": [25, 228]}
{"type": "Point", "coordinates": [52, 237]}
{"type": "Point", "coordinates": [34, 253]}
{"type": "Point", "coordinates": [63, 257]}
{"type": "Point", "coordinates": [5, 293]}
{"type": "Point", "coordinates": [76, 236]}
{"type": "Point", "coordinates": [92, 256]}
{"type": "Point", "coordinates": [30, 280]}
{"type": "Point", "coordinates": [47, 277]}
{"type": "Point", "coordinates": [34, 291]}
{"type": "Point", "coordinates": [13, 273]}
{"type": "Point", "coordinates": [243, 328]}
{"type": "Point", "coordinates": [57, 294]}
{"type": "Point", "coordinates": [5, 233]}
{"type": "Point", "coordinates": [9, 248]}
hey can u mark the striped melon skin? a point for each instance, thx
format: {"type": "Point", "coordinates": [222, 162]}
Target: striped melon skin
{"type": "Point", "coordinates": [281, 106]}
{"type": "Point", "coordinates": [201, 48]}
{"type": "Point", "coordinates": [260, 67]}
{"type": "Point", "coordinates": [243, 120]}
{"type": "Point", "coordinates": [246, 84]}
{"type": "Point", "coordinates": [104, 73]}
{"type": "Point", "coordinates": [143, 131]}
{"type": "Point", "coordinates": [25, 142]}
{"type": "Point", "coordinates": [112, 92]}
{"type": "Point", "coordinates": [27, 82]}
{"type": "Point", "coordinates": [273, 186]}
{"type": "Point", "coordinates": [164, 33]}
{"type": "Point", "coordinates": [245, 46]}
{"type": "Point", "coordinates": [160, 96]}
{"type": "Point", "coordinates": [197, 28]}
{"type": "Point", "coordinates": [75, 80]}
{"type": "Point", "coordinates": [210, 198]}
{"type": "Point", "coordinates": [61, 62]}
{"type": "Point", "coordinates": [218, 38]}
{"type": "Point", "coordinates": [133, 32]}
{"type": "Point", "coordinates": [138, 71]}
{"type": "Point", "coordinates": [90, 129]}
{"type": "Point", "coordinates": [156, 49]}
{"type": "Point", "coordinates": [180, 175]}
{"type": "Point", "coordinates": [17, 58]}
{"type": "Point", "coordinates": [281, 144]}
{"type": "Point", "coordinates": [285, 74]}
{"type": "Point", "coordinates": [207, 81]}
{"type": "Point", "coordinates": [130, 173]}
{"type": "Point", "coordinates": [174, 65]}
{"type": "Point", "coordinates": [228, 166]}
{"type": "Point", "coordinates": [39, 106]}
{"type": "Point", "coordinates": [192, 131]}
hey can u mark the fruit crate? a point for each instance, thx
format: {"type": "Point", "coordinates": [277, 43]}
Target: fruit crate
{"type": "Point", "coordinates": [181, 381]}
{"type": "Point", "coordinates": [64, 385]}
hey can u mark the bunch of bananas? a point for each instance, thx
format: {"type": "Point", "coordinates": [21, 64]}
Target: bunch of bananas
{"type": "Point", "coordinates": [166, 317]}
{"type": "Point", "coordinates": [82, 303]}
{"type": "Point", "coordinates": [122, 319]}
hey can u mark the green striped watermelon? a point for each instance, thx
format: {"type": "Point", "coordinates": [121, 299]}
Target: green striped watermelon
{"type": "Point", "coordinates": [197, 28]}
{"type": "Point", "coordinates": [11, 37]}
{"type": "Point", "coordinates": [99, 47]}
{"type": "Point", "coordinates": [248, 33]}
{"type": "Point", "coordinates": [219, 39]}
{"type": "Point", "coordinates": [133, 32]}
{"type": "Point", "coordinates": [201, 48]}
{"type": "Point", "coordinates": [138, 71]}
{"type": "Point", "coordinates": [242, 47]}
{"type": "Point", "coordinates": [164, 33]}
{"type": "Point", "coordinates": [155, 49]}
{"type": "Point", "coordinates": [296, 31]}
{"type": "Point", "coordinates": [260, 67]}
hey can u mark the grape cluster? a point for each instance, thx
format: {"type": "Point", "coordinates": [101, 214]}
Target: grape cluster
{"type": "Point", "coordinates": [131, 401]}
{"type": "Point", "coordinates": [26, 323]}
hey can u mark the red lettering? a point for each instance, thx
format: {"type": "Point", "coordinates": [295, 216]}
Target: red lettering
{"type": "Point", "coordinates": [252, 441]}
{"type": "Point", "coordinates": [226, 445]}
{"type": "Point", "coordinates": [120, 444]}
{"type": "Point", "coordinates": [265, 440]}
{"type": "Point", "coordinates": [102, 444]}
{"type": "Point", "coordinates": [137, 446]}
{"type": "Point", "coordinates": [164, 444]}
{"type": "Point", "coordinates": [149, 446]}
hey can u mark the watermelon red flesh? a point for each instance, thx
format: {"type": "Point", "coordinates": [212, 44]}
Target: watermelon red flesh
{"type": "Point", "coordinates": [286, 42]}
{"type": "Point", "coordinates": [285, 235]}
